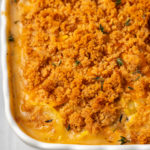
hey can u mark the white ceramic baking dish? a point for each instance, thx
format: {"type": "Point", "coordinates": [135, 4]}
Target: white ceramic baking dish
{"type": "Point", "coordinates": [13, 124]}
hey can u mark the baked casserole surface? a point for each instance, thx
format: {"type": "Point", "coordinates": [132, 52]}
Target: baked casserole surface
{"type": "Point", "coordinates": [79, 70]}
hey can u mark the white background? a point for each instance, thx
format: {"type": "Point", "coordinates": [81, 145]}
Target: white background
{"type": "Point", "coordinates": [8, 140]}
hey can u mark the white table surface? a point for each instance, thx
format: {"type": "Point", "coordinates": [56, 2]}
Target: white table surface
{"type": "Point", "coordinates": [8, 140]}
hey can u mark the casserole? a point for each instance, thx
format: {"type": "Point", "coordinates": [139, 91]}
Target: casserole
{"type": "Point", "coordinates": [9, 113]}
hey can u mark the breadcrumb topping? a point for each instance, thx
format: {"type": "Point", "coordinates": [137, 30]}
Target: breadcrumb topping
{"type": "Point", "coordinates": [89, 60]}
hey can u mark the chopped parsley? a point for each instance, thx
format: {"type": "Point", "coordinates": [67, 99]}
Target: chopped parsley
{"type": "Point", "coordinates": [97, 78]}
{"type": "Point", "coordinates": [118, 2]}
{"type": "Point", "coordinates": [127, 119]}
{"type": "Point", "coordinates": [48, 121]}
{"type": "Point", "coordinates": [120, 119]}
{"type": "Point", "coordinates": [102, 29]}
{"type": "Point", "coordinates": [68, 127]}
{"type": "Point", "coordinates": [11, 38]}
{"type": "Point", "coordinates": [54, 64]}
{"type": "Point", "coordinates": [131, 88]}
{"type": "Point", "coordinates": [137, 71]}
{"type": "Point", "coordinates": [123, 140]}
{"type": "Point", "coordinates": [137, 78]}
{"type": "Point", "coordinates": [127, 23]}
{"type": "Point", "coordinates": [144, 16]}
{"type": "Point", "coordinates": [77, 62]}
{"type": "Point", "coordinates": [102, 83]}
{"type": "Point", "coordinates": [119, 61]}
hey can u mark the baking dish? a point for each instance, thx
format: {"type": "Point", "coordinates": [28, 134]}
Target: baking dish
{"type": "Point", "coordinates": [14, 125]}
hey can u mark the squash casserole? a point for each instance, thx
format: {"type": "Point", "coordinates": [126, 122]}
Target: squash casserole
{"type": "Point", "coordinates": [79, 70]}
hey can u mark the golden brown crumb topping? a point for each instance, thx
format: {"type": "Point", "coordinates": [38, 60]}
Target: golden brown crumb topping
{"type": "Point", "coordinates": [89, 60]}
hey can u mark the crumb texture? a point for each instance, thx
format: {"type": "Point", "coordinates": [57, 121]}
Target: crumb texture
{"type": "Point", "coordinates": [86, 65]}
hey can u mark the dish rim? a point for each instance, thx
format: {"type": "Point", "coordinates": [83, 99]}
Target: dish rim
{"type": "Point", "coordinates": [22, 135]}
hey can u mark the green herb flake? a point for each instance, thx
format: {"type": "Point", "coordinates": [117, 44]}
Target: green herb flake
{"type": "Point", "coordinates": [48, 121]}
{"type": "Point", "coordinates": [77, 62]}
{"type": "Point", "coordinates": [144, 16]}
{"type": "Point", "coordinates": [131, 88]}
{"type": "Point", "coordinates": [120, 119]}
{"type": "Point", "coordinates": [97, 78]}
{"type": "Point", "coordinates": [137, 71]}
{"type": "Point", "coordinates": [102, 29]}
{"type": "Point", "coordinates": [127, 118]}
{"type": "Point", "coordinates": [118, 2]}
{"type": "Point", "coordinates": [11, 38]}
{"type": "Point", "coordinates": [137, 78]}
{"type": "Point", "coordinates": [127, 23]}
{"type": "Point", "coordinates": [119, 61]}
{"type": "Point", "coordinates": [68, 127]}
{"type": "Point", "coordinates": [54, 64]}
{"type": "Point", "coordinates": [123, 140]}
{"type": "Point", "coordinates": [102, 83]}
